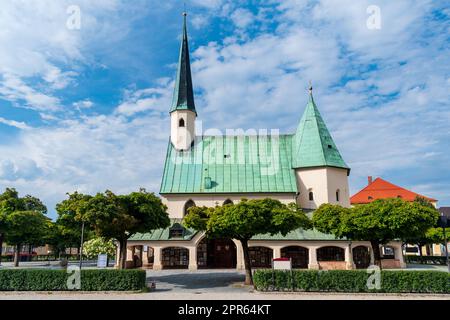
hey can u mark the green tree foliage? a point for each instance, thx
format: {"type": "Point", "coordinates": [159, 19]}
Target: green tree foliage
{"type": "Point", "coordinates": [244, 220]}
{"type": "Point", "coordinates": [120, 216]}
{"type": "Point", "coordinates": [26, 227]}
{"type": "Point", "coordinates": [379, 222]}
{"type": "Point", "coordinates": [68, 226]}
{"type": "Point", "coordinates": [10, 203]}
{"type": "Point", "coordinates": [96, 246]}
{"type": "Point", "coordinates": [430, 236]}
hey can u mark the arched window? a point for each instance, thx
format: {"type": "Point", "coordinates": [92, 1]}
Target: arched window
{"type": "Point", "coordinates": [311, 195]}
{"type": "Point", "coordinates": [181, 124]}
{"type": "Point", "coordinates": [338, 193]}
{"type": "Point", "coordinates": [228, 201]}
{"type": "Point", "coordinates": [188, 205]}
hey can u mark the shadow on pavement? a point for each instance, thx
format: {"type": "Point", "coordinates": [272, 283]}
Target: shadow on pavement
{"type": "Point", "coordinates": [193, 281]}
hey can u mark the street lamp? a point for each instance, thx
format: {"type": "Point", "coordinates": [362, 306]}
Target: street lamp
{"type": "Point", "coordinates": [82, 240]}
{"type": "Point", "coordinates": [444, 223]}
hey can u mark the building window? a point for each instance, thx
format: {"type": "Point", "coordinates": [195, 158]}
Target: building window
{"type": "Point", "coordinates": [311, 196]}
{"type": "Point", "coordinates": [176, 231]}
{"type": "Point", "coordinates": [228, 201]}
{"type": "Point", "coordinates": [330, 254]}
{"type": "Point", "coordinates": [187, 206]}
{"type": "Point", "coordinates": [370, 198]}
{"type": "Point", "coordinates": [337, 195]}
{"type": "Point", "coordinates": [181, 123]}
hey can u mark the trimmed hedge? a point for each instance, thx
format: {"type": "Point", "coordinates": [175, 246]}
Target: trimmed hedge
{"type": "Point", "coordinates": [352, 281]}
{"type": "Point", "coordinates": [437, 260]}
{"type": "Point", "coordinates": [56, 280]}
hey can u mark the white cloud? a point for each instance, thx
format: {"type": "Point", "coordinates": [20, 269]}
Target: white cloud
{"type": "Point", "coordinates": [242, 18]}
{"type": "Point", "coordinates": [13, 123]}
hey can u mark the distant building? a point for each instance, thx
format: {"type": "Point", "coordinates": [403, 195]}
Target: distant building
{"type": "Point", "coordinates": [382, 189]}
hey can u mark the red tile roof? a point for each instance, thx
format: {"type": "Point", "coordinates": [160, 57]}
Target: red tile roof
{"type": "Point", "coordinates": [382, 189]}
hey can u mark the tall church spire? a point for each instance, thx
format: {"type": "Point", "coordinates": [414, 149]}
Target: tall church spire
{"type": "Point", "coordinates": [183, 97]}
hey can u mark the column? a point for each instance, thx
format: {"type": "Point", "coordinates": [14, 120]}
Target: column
{"type": "Point", "coordinates": [117, 255]}
{"type": "Point", "coordinates": [349, 257]}
{"type": "Point", "coordinates": [313, 264]}
{"type": "Point", "coordinates": [239, 256]}
{"type": "Point", "coordinates": [145, 255]}
{"type": "Point", "coordinates": [276, 252]}
{"type": "Point", "coordinates": [398, 254]}
{"type": "Point", "coordinates": [193, 258]}
{"type": "Point", "coordinates": [157, 254]}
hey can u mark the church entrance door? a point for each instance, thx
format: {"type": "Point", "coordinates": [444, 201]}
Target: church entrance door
{"type": "Point", "coordinates": [216, 254]}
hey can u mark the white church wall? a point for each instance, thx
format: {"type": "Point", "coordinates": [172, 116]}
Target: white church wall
{"type": "Point", "coordinates": [177, 202]}
{"type": "Point", "coordinates": [182, 137]}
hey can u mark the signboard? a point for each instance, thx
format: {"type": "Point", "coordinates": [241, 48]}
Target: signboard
{"type": "Point", "coordinates": [282, 264]}
{"type": "Point", "coordinates": [102, 261]}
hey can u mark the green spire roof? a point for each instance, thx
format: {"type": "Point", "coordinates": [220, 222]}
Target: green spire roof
{"type": "Point", "coordinates": [313, 145]}
{"type": "Point", "coordinates": [183, 96]}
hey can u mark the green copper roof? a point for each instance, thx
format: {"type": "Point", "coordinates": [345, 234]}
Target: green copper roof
{"type": "Point", "coordinates": [297, 234]}
{"type": "Point", "coordinates": [163, 234]}
{"type": "Point", "coordinates": [313, 144]}
{"type": "Point", "coordinates": [183, 96]}
{"type": "Point", "coordinates": [231, 164]}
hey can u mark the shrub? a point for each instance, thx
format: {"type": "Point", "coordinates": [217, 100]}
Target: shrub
{"type": "Point", "coordinates": [352, 281]}
{"type": "Point", "coordinates": [56, 280]}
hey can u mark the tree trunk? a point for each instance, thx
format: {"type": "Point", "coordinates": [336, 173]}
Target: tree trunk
{"type": "Point", "coordinates": [376, 252]}
{"type": "Point", "coordinates": [1, 247]}
{"type": "Point", "coordinates": [17, 255]}
{"type": "Point", "coordinates": [247, 264]}
{"type": "Point", "coordinates": [420, 250]}
{"type": "Point", "coordinates": [123, 254]}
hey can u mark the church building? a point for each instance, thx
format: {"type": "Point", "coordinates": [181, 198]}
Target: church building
{"type": "Point", "coordinates": [304, 167]}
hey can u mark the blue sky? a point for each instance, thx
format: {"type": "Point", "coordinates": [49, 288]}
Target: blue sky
{"type": "Point", "coordinates": [87, 109]}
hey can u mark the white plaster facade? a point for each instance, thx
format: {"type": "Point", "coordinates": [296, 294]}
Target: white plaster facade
{"type": "Point", "coordinates": [324, 183]}
{"type": "Point", "coordinates": [183, 135]}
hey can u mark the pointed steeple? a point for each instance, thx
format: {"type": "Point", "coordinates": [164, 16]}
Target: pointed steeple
{"type": "Point", "coordinates": [183, 96]}
{"type": "Point", "coordinates": [313, 145]}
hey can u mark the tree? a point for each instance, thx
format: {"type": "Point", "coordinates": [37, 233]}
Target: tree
{"type": "Point", "coordinates": [96, 246]}
{"type": "Point", "coordinates": [379, 222]}
{"type": "Point", "coordinates": [120, 217]}
{"type": "Point", "coordinates": [10, 202]}
{"type": "Point", "coordinates": [26, 227]}
{"type": "Point", "coordinates": [244, 220]}
{"type": "Point", "coordinates": [426, 238]}
{"type": "Point", "coordinates": [69, 222]}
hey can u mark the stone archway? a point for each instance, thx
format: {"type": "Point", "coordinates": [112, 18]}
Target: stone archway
{"type": "Point", "coordinates": [298, 254]}
{"type": "Point", "coordinates": [216, 254]}
{"type": "Point", "coordinates": [261, 257]}
{"type": "Point", "coordinates": [175, 258]}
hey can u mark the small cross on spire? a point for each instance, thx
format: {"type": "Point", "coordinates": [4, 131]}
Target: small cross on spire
{"type": "Point", "coordinates": [310, 89]}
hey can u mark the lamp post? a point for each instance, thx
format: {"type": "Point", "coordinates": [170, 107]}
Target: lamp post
{"type": "Point", "coordinates": [81, 246]}
{"type": "Point", "coordinates": [444, 223]}
{"type": "Point", "coordinates": [446, 249]}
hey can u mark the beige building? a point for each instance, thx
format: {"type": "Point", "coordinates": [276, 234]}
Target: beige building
{"type": "Point", "coordinates": [304, 167]}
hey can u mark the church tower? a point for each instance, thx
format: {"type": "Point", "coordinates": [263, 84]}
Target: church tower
{"type": "Point", "coordinates": [183, 113]}
{"type": "Point", "coordinates": [321, 173]}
